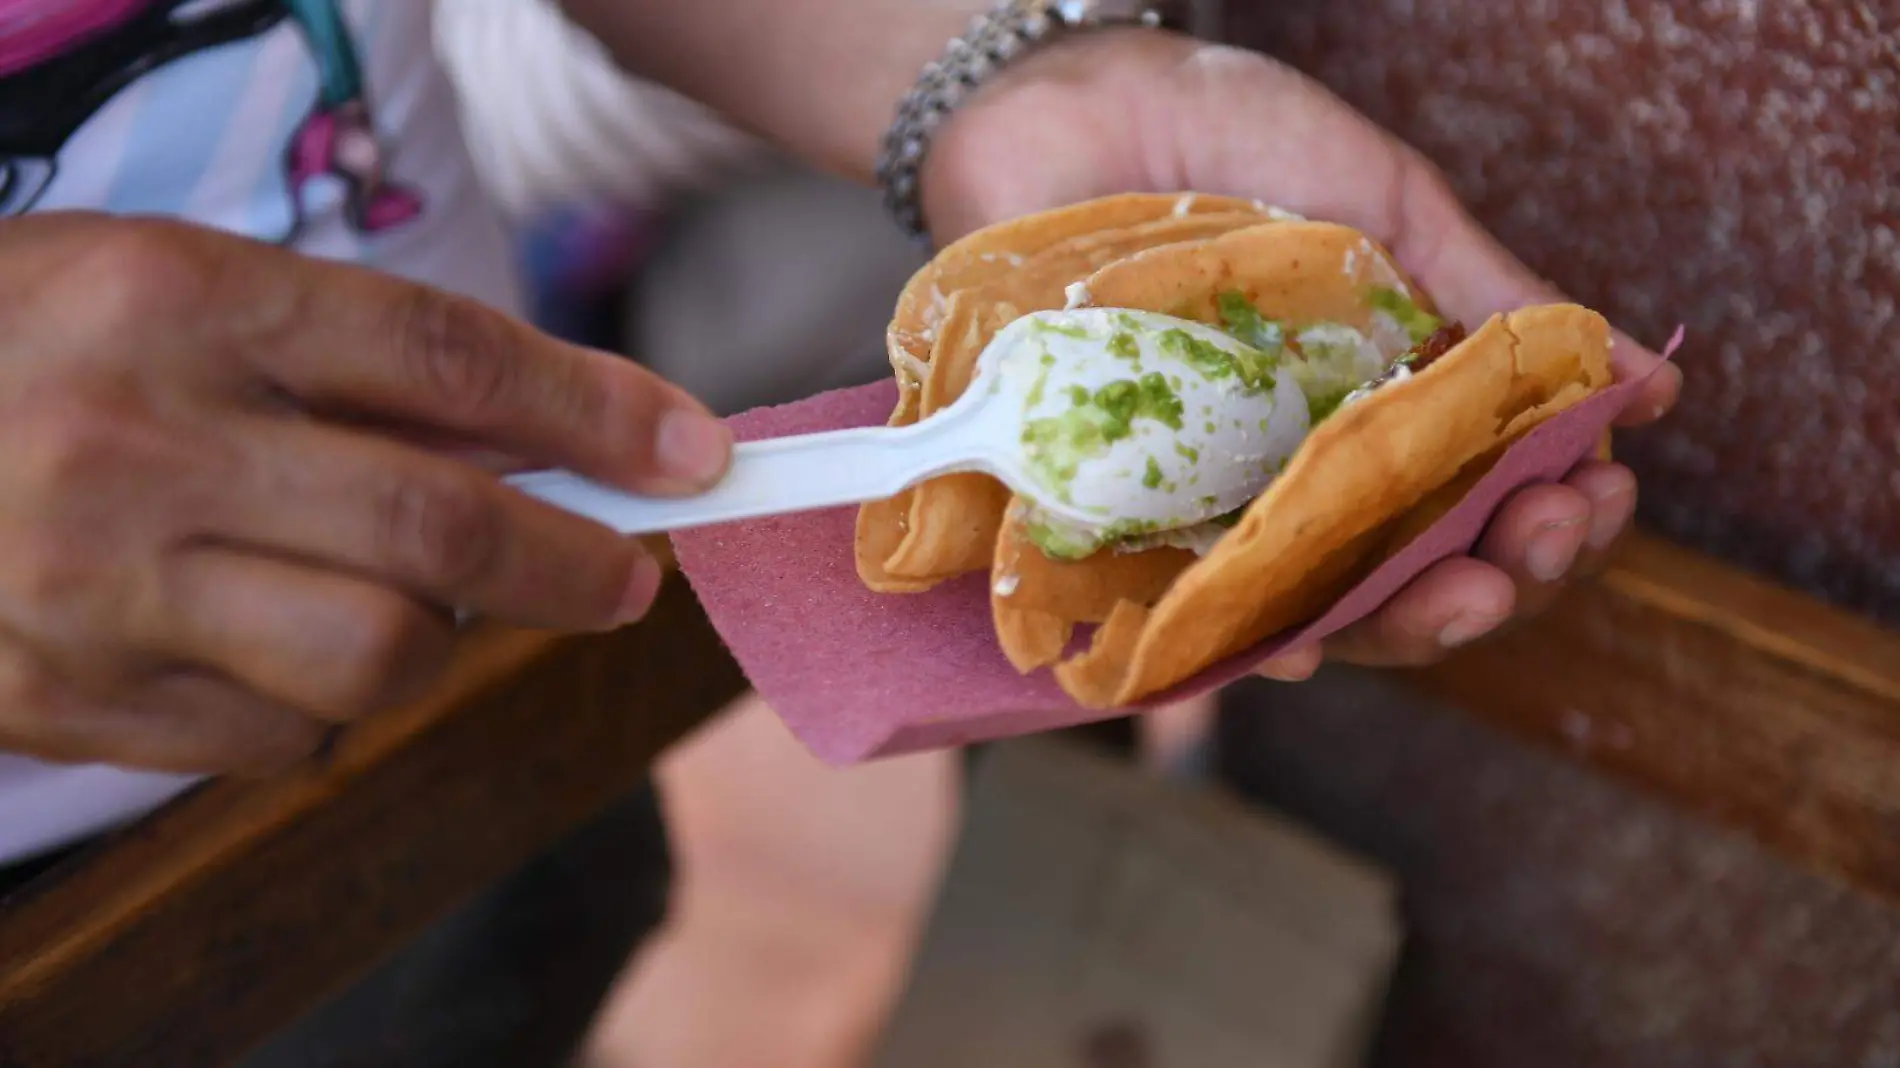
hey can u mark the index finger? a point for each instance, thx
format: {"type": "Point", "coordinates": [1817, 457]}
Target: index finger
{"type": "Point", "coordinates": [343, 337]}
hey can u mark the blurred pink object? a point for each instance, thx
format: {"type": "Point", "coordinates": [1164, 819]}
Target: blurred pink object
{"type": "Point", "coordinates": [802, 892]}
{"type": "Point", "coordinates": [35, 30]}
{"type": "Point", "coordinates": [316, 150]}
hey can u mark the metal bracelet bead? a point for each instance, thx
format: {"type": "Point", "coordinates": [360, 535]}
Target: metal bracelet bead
{"type": "Point", "coordinates": [994, 39]}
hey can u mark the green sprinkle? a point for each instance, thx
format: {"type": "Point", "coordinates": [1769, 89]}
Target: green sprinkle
{"type": "Point", "coordinates": [1417, 322]}
{"type": "Point", "coordinates": [1152, 477]}
{"type": "Point", "coordinates": [1036, 390]}
{"type": "Point", "coordinates": [1057, 445]}
{"type": "Point", "coordinates": [1247, 325]}
{"type": "Point", "coordinates": [1159, 401]}
{"type": "Point", "coordinates": [1253, 367]}
{"type": "Point", "coordinates": [1321, 406]}
{"type": "Point", "coordinates": [1074, 330]}
{"type": "Point", "coordinates": [1058, 543]}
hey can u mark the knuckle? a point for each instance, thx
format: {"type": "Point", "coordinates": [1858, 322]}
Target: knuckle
{"type": "Point", "coordinates": [27, 691]}
{"type": "Point", "coordinates": [447, 533]}
{"type": "Point", "coordinates": [288, 741]}
{"type": "Point", "coordinates": [200, 723]}
{"type": "Point", "coordinates": [392, 647]}
{"type": "Point", "coordinates": [452, 349]}
{"type": "Point", "coordinates": [47, 573]}
{"type": "Point", "coordinates": [138, 272]}
{"type": "Point", "coordinates": [60, 455]}
{"type": "Point", "coordinates": [66, 439]}
{"type": "Point", "coordinates": [36, 714]}
{"type": "Point", "coordinates": [581, 397]}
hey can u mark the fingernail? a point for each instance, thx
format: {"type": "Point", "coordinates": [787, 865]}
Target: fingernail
{"type": "Point", "coordinates": [643, 587]}
{"type": "Point", "coordinates": [1297, 666]}
{"type": "Point", "coordinates": [1465, 629]}
{"type": "Point", "coordinates": [1672, 374]}
{"type": "Point", "coordinates": [1609, 514]}
{"type": "Point", "coordinates": [692, 446]}
{"type": "Point", "coordinates": [1553, 549]}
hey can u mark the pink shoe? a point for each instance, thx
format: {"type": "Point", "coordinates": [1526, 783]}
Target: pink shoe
{"type": "Point", "coordinates": [389, 207]}
{"type": "Point", "coordinates": [370, 209]}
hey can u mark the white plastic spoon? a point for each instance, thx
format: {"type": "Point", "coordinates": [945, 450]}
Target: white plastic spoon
{"type": "Point", "coordinates": [1106, 421]}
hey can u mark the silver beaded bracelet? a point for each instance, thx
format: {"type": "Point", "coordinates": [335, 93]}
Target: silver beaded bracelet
{"type": "Point", "coordinates": [1006, 32]}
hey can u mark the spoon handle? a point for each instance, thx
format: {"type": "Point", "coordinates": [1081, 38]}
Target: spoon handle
{"type": "Point", "coordinates": [777, 476]}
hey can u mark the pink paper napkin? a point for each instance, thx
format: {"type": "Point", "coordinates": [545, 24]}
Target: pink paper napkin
{"type": "Point", "coordinates": [858, 675]}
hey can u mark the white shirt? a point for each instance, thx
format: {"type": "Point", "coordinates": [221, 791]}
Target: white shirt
{"type": "Point", "coordinates": [207, 136]}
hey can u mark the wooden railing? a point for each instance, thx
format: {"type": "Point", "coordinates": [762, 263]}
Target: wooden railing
{"type": "Point", "coordinates": [209, 926]}
{"type": "Point", "coordinates": [1755, 706]}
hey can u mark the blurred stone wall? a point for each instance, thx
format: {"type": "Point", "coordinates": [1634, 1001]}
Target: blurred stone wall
{"type": "Point", "coordinates": [1733, 165]}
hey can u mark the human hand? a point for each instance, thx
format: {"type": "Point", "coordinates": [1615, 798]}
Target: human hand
{"type": "Point", "coordinates": [1137, 110]}
{"type": "Point", "coordinates": [218, 531]}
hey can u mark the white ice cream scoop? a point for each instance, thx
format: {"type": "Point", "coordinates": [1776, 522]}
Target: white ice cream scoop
{"type": "Point", "coordinates": [1110, 423]}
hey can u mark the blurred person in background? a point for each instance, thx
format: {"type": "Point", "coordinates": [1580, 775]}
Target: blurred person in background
{"type": "Point", "coordinates": [262, 349]}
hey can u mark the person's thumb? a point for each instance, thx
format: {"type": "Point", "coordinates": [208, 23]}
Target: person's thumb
{"type": "Point", "coordinates": [1472, 276]}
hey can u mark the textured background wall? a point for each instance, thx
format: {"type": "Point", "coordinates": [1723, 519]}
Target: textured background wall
{"type": "Point", "coordinates": [1730, 164]}
{"type": "Point", "coordinates": [1734, 165]}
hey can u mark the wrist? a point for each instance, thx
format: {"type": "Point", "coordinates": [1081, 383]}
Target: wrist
{"type": "Point", "coordinates": [818, 77]}
{"type": "Point", "coordinates": [1060, 117]}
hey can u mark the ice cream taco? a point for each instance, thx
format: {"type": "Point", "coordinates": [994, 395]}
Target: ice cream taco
{"type": "Point", "coordinates": [1366, 413]}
